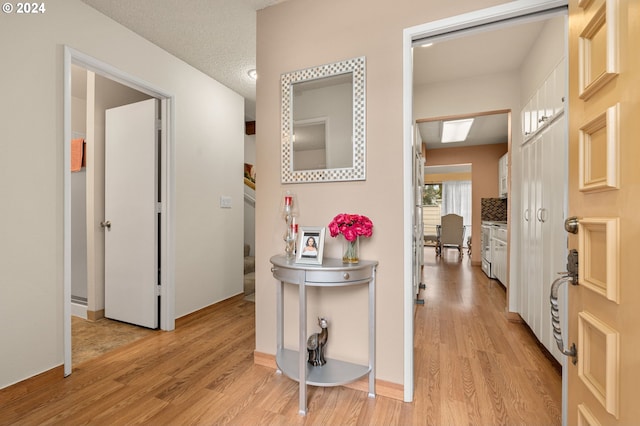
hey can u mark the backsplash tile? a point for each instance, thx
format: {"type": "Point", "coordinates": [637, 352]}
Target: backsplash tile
{"type": "Point", "coordinates": [494, 209]}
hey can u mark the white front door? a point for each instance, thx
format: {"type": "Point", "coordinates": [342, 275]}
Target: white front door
{"type": "Point", "coordinates": [604, 195]}
{"type": "Point", "coordinates": [131, 218]}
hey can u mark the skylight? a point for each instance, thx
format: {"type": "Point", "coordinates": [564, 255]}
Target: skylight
{"type": "Point", "coordinates": [456, 130]}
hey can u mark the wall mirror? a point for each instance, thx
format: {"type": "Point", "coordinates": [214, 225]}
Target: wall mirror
{"type": "Point", "coordinates": [323, 123]}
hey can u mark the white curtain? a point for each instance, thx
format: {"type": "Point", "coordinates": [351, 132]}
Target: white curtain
{"type": "Point", "coordinates": [456, 198]}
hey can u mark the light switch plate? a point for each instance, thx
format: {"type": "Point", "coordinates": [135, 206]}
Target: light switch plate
{"type": "Point", "coordinates": [225, 202]}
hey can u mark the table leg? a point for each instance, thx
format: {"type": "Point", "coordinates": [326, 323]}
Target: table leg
{"type": "Point", "coordinates": [279, 319]}
{"type": "Point", "coordinates": [372, 335]}
{"type": "Point", "coordinates": [302, 408]}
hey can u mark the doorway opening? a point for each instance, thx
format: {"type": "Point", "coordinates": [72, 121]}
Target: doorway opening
{"type": "Point", "coordinates": [87, 260]}
{"type": "Point", "coordinates": [447, 190]}
{"type": "Point", "coordinates": [87, 185]}
{"type": "Point", "coordinates": [473, 23]}
{"type": "Point", "coordinates": [487, 140]}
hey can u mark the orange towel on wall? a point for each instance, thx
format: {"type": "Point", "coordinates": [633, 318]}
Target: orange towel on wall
{"type": "Point", "coordinates": [77, 152]}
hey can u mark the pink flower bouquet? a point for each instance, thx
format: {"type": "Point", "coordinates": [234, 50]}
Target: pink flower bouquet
{"type": "Point", "coordinates": [351, 226]}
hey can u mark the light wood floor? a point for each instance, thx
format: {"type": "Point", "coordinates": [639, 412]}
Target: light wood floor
{"type": "Point", "coordinates": [472, 367]}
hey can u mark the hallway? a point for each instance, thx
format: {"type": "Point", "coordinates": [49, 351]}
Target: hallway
{"type": "Point", "coordinates": [472, 367]}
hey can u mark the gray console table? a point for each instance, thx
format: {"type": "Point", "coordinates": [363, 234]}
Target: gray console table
{"type": "Point", "coordinates": [293, 363]}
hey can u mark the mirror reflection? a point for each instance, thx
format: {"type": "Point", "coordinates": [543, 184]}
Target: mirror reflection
{"type": "Point", "coordinates": [323, 123]}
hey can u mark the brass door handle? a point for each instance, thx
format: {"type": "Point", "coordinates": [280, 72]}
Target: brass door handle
{"type": "Point", "coordinates": [571, 277]}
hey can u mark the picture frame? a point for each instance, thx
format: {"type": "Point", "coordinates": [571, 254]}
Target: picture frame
{"type": "Point", "coordinates": [310, 237]}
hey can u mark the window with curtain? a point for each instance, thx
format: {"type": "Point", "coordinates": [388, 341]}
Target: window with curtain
{"type": "Point", "coordinates": [456, 198]}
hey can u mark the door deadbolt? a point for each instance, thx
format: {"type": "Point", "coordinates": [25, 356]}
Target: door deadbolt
{"type": "Point", "coordinates": [572, 266]}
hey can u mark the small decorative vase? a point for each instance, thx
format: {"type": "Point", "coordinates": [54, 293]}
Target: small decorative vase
{"type": "Point", "coordinates": [350, 250]}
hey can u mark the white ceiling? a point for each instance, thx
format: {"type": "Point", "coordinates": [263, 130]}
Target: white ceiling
{"type": "Point", "coordinates": [484, 53]}
{"type": "Point", "coordinates": [452, 168]}
{"type": "Point", "coordinates": [485, 130]}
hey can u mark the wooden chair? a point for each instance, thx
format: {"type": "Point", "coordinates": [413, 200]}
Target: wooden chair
{"type": "Point", "coordinates": [450, 233]}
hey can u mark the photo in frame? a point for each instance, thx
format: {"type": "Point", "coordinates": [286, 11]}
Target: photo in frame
{"type": "Point", "coordinates": [310, 245]}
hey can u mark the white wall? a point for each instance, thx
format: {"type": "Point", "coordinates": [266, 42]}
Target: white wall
{"type": "Point", "coordinates": [472, 95]}
{"type": "Point", "coordinates": [544, 55]}
{"type": "Point", "coordinates": [208, 130]}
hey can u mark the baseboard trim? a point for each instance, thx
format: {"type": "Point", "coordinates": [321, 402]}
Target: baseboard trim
{"type": "Point", "coordinates": [95, 315]}
{"type": "Point", "coordinates": [383, 387]}
{"type": "Point", "coordinates": [78, 310]}
{"type": "Point", "coordinates": [514, 317]}
{"type": "Point", "coordinates": [28, 385]}
{"type": "Point", "coordinates": [265, 360]}
{"type": "Point", "coordinates": [196, 315]}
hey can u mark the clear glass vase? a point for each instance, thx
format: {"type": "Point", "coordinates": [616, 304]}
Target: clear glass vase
{"type": "Point", "coordinates": [350, 250]}
{"type": "Point", "coordinates": [290, 237]}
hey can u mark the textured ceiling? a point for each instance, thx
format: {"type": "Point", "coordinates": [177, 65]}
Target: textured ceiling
{"type": "Point", "coordinates": [218, 37]}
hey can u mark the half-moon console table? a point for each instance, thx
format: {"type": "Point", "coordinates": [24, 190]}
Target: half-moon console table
{"type": "Point", "coordinates": [332, 273]}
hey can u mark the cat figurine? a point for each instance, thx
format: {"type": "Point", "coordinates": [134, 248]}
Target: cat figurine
{"type": "Point", "coordinates": [316, 344]}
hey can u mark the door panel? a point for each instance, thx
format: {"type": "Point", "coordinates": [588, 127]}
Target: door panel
{"type": "Point", "coordinates": [604, 71]}
{"type": "Point", "coordinates": [131, 240]}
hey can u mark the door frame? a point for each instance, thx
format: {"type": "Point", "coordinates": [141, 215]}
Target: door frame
{"type": "Point", "coordinates": [166, 182]}
{"type": "Point", "coordinates": [476, 21]}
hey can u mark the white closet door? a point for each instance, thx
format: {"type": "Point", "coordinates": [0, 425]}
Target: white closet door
{"type": "Point", "coordinates": [131, 243]}
{"type": "Point", "coordinates": [536, 231]}
{"type": "Point", "coordinates": [526, 233]}
{"type": "Point", "coordinates": [555, 237]}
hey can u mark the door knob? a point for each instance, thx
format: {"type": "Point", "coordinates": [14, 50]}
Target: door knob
{"type": "Point", "coordinates": [571, 225]}
{"type": "Point", "coordinates": [106, 224]}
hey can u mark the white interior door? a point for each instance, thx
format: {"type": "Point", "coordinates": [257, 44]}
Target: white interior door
{"type": "Point", "coordinates": [131, 221]}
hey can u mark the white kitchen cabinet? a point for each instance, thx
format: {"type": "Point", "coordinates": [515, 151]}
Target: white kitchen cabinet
{"type": "Point", "coordinates": [530, 117]}
{"type": "Point", "coordinates": [499, 254]}
{"type": "Point", "coordinates": [546, 104]}
{"type": "Point", "coordinates": [503, 176]}
{"type": "Point", "coordinates": [543, 240]}
{"type": "Point", "coordinates": [560, 84]}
